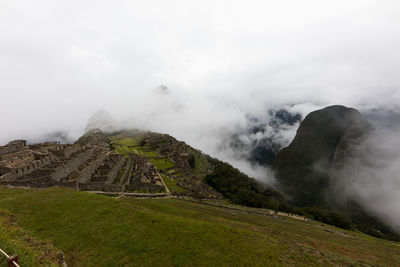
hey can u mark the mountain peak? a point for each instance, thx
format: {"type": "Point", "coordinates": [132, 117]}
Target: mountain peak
{"type": "Point", "coordinates": [303, 167]}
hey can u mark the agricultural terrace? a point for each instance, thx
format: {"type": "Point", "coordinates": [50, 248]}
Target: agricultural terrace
{"type": "Point", "coordinates": [125, 145]}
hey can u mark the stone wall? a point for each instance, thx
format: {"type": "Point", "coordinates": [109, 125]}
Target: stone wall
{"type": "Point", "coordinates": [12, 147]}
{"type": "Point", "coordinates": [8, 177]}
{"type": "Point", "coordinates": [99, 187]}
{"type": "Point", "coordinates": [71, 165]}
{"type": "Point", "coordinates": [127, 173]}
{"type": "Point", "coordinates": [66, 152]}
{"type": "Point", "coordinates": [45, 181]}
{"type": "Point", "coordinates": [34, 165]}
{"type": "Point", "coordinates": [41, 182]}
{"type": "Point", "coordinates": [144, 187]}
{"type": "Point", "coordinates": [115, 170]}
{"type": "Point", "coordinates": [4, 150]}
{"type": "Point", "coordinates": [86, 173]}
{"type": "Point", "coordinates": [4, 169]}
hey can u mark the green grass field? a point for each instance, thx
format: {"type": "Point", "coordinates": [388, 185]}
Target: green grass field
{"type": "Point", "coordinates": [92, 230]}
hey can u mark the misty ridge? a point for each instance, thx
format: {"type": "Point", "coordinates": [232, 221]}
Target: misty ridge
{"type": "Point", "coordinates": [371, 175]}
{"type": "Point", "coordinates": [251, 142]}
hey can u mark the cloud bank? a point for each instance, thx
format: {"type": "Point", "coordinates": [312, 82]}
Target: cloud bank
{"type": "Point", "coordinates": [371, 175]}
{"type": "Point", "coordinates": [193, 69]}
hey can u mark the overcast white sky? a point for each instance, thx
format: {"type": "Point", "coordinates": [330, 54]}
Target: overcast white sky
{"type": "Point", "coordinates": [61, 61]}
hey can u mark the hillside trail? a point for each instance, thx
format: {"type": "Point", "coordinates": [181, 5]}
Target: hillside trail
{"type": "Point", "coordinates": [165, 186]}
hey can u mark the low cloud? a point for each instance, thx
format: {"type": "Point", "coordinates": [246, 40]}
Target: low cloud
{"type": "Point", "coordinates": [371, 173]}
{"type": "Point", "coordinates": [195, 70]}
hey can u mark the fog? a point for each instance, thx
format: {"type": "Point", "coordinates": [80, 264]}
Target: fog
{"type": "Point", "coordinates": [371, 175]}
{"type": "Point", "coordinates": [192, 69]}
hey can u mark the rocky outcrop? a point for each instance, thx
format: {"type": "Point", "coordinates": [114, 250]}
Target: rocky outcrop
{"type": "Point", "coordinates": [303, 169]}
{"type": "Point", "coordinates": [93, 137]}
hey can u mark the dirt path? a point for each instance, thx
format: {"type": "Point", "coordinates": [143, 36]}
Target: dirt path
{"type": "Point", "coordinates": [165, 186]}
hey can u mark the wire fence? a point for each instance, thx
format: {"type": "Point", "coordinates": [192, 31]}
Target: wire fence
{"type": "Point", "coordinates": [11, 261]}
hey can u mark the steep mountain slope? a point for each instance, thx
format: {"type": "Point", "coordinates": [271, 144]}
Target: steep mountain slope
{"type": "Point", "coordinates": [303, 168]}
{"type": "Point", "coordinates": [316, 168]}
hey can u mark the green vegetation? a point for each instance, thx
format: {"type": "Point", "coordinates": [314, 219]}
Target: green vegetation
{"type": "Point", "coordinates": [171, 171]}
{"type": "Point", "coordinates": [172, 186]}
{"type": "Point", "coordinates": [326, 216]}
{"type": "Point", "coordinates": [132, 145]}
{"type": "Point", "coordinates": [162, 163]}
{"type": "Point", "coordinates": [94, 230]}
{"type": "Point", "coordinates": [14, 240]}
{"type": "Point", "coordinates": [198, 161]}
{"type": "Point", "coordinates": [241, 189]}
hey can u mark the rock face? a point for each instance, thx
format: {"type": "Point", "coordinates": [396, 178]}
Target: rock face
{"type": "Point", "coordinates": [330, 153]}
{"type": "Point", "coordinates": [304, 167]}
{"type": "Point", "coordinates": [93, 137]}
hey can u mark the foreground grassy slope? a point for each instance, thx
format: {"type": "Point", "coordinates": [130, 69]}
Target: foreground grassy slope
{"type": "Point", "coordinates": [94, 230]}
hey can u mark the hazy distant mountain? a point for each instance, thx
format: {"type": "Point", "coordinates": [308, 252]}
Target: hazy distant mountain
{"type": "Point", "coordinates": [382, 117]}
{"type": "Point", "coordinates": [261, 140]}
{"type": "Point", "coordinates": [101, 120]}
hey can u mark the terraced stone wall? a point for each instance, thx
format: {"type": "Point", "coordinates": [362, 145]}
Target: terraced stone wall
{"type": "Point", "coordinates": [34, 165]}
{"type": "Point", "coordinates": [145, 187]}
{"type": "Point", "coordinates": [71, 165]}
{"type": "Point", "coordinates": [114, 172]}
{"type": "Point", "coordinates": [86, 173]}
{"type": "Point", "coordinates": [99, 187]}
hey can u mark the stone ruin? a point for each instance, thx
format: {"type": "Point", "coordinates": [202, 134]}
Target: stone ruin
{"type": "Point", "coordinates": [180, 154]}
{"type": "Point", "coordinates": [84, 167]}
{"type": "Point", "coordinates": [144, 176]}
{"type": "Point", "coordinates": [91, 165]}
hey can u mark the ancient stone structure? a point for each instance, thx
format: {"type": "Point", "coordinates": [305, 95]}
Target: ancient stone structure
{"type": "Point", "coordinates": [143, 177]}
{"type": "Point", "coordinates": [91, 165]}
{"type": "Point", "coordinates": [87, 167]}
{"type": "Point", "coordinates": [12, 147]}
{"type": "Point", "coordinates": [182, 172]}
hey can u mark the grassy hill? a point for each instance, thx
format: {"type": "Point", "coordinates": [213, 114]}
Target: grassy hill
{"type": "Point", "coordinates": [41, 225]}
